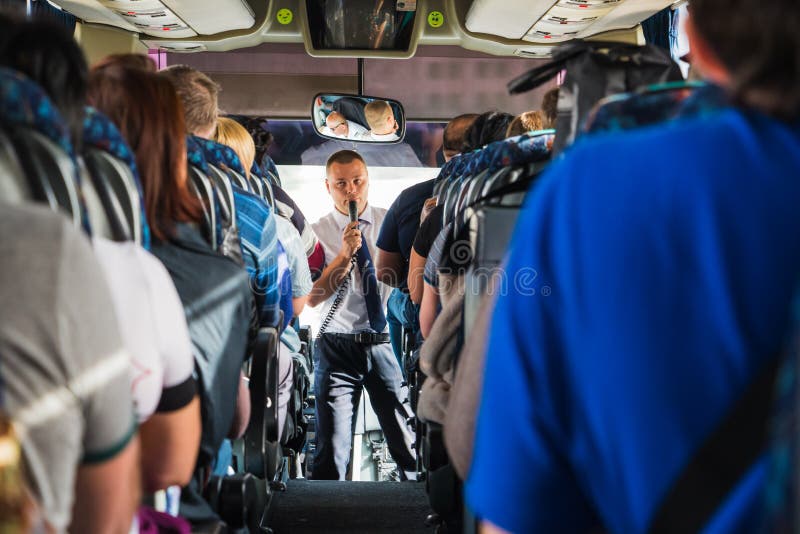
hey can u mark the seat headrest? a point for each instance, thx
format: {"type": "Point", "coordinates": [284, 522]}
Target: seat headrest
{"type": "Point", "coordinates": [101, 133]}
{"type": "Point", "coordinates": [652, 105]}
{"type": "Point", "coordinates": [527, 148]}
{"type": "Point", "coordinates": [217, 153]}
{"type": "Point", "coordinates": [195, 155]}
{"type": "Point", "coordinates": [24, 103]}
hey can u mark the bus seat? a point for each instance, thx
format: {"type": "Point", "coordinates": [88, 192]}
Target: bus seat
{"type": "Point", "coordinates": [225, 158]}
{"type": "Point", "coordinates": [261, 451]}
{"type": "Point", "coordinates": [201, 184]}
{"type": "Point", "coordinates": [496, 180]}
{"type": "Point", "coordinates": [93, 205]}
{"type": "Point", "coordinates": [113, 172]}
{"type": "Point", "coordinates": [270, 170]}
{"type": "Point", "coordinates": [224, 189]}
{"type": "Point", "coordinates": [42, 144]}
{"type": "Point", "coordinates": [256, 180]}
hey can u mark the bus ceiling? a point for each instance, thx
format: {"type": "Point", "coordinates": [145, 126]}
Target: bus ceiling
{"type": "Point", "coordinates": [369, 28]}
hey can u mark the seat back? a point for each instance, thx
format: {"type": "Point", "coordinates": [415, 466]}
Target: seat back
{"type": "Point", "coordinates": [203, 189]}
{"type": "Point", "coordinates": [41, 142]}
{"type": "Point", "coordinates": [260, 455]}
{"type": "Point", "coordinates": [113, 172]}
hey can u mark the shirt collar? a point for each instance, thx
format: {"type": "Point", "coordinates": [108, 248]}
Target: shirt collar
{"type": "Point", "coordinates": [342, 220]}
{"type": "Point", "coordinates": [385, 137]}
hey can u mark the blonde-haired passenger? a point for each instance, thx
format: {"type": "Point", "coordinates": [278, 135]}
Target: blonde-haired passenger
{"type": "Point", "coordinates": [231, 133]}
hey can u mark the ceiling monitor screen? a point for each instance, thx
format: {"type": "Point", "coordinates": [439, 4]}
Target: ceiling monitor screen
{"type": "Point", "coordinates": [360, 24]}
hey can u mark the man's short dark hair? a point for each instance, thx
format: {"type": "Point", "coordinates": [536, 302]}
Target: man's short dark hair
{"type": "Point", "coordinates": [550, 107]}
{"type": "Point", "coordinates": [759, 43]}
{"type": "Point", "coordinates": [47, 53]}
{"type": "Point", "coordinates": [487, 128]}
{"type": "Point", "coordinates": [343, 157]}
{"type": "Point", "coordinates": [453, 135]}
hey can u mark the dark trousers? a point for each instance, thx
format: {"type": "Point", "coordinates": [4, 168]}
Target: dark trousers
{"type": "Point", "coordinates": [344, 368]}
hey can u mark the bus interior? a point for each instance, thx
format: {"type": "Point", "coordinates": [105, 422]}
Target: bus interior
{"type": "Point", "coordinates": [284, 69]}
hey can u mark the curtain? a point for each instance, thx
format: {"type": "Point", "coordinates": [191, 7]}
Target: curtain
{"type": "Point", "coordinates": [40, 9]}
{"type": "Point", "coordinates": [658, 29]}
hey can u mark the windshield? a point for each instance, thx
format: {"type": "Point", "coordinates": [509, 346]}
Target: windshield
{"type": "Point", "coordinates": [301, 155]}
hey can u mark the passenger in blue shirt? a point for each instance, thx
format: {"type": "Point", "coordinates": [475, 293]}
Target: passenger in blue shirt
{"type": "Point", "coordinates": [651, 276]}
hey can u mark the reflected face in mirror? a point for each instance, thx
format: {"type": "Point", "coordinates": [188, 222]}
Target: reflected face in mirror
{"type": "Point", "coordinates": [346, 182]}
{"type": "Point", "coordinates": [337, 125]}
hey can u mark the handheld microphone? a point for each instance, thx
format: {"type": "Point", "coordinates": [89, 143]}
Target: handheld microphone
{"type": "Point", "coordinates": [352, 208]}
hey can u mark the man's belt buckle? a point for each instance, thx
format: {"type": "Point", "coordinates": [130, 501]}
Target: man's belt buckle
{"type": "Point", "coordinates": [363, 337]}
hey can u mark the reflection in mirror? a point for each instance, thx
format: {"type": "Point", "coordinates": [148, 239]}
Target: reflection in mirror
{"type": "Point", "coordinates": [358, 118]}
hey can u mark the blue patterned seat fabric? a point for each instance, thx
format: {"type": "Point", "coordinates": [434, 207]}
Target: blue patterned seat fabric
{"type": "Point", "coordinates": [24, 103]}
{"type": "Point", "coordinates": [217, 153]}
{"type": "Point", "coordinates": [652, 105]}
{"type": "Point", "coordinates": [256, 170]}
{"type": "Point", "coordinates": [270, 167]}
{"type": "Point", "coordinates": [195, 155]}
{"type": "Point", "coordinates": [99, 132]}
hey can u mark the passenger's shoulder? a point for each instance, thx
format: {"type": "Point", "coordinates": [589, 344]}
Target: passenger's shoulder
{"type": "Point", "coordinates": [35, 222]}
{"type": "Point", "coordinates": [378, 213]}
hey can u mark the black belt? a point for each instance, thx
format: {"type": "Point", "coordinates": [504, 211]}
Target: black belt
{"type": "Point", "coordinates": [365, 338]}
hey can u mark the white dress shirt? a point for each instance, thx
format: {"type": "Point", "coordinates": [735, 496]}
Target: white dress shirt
{"type": "Point", "coordinates": [383, 138]}
{"type": "Point", "coordinates": [351, 316]}
{"type": "Point", "coordinates": [354, 131]}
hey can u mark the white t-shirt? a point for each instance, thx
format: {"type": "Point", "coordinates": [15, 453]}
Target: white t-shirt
{"type": "Point", "coordinates": [352, 313]}
{"type": "Point", "coordinates": [151, 319]}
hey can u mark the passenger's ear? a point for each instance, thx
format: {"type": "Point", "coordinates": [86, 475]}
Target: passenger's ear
{"type": "Point", "coordinates": [327, 186]}
{"type": "Point", "coordinates": [704, 59]}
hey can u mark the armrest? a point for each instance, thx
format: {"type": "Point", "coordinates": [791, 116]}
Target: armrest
{"type": "Point", "coordinates": [263, 425]}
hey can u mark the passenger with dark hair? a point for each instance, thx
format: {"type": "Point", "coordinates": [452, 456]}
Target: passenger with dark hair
{"type": "Point", "coordinates": [46, 53]}
{"type": "Point", "coordinates": [550, 107]}
{"type": "Point", "coordinates": [455, 133]}
{"type": "Point", "coordinates": [632, 364]}
{"type": "Point", "coordinates": [486, 128]}
{"type": "Point", "coordinates": [353, 343]}
{"type": "Point", "coordinates": [151, 320]}
{"type": "Point", "coordinates": [396, 239]}
{"type": "Point", "coordinates": [214, 290]}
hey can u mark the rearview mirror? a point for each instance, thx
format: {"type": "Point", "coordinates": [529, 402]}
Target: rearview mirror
{"type": "Point", "coordinates": [358, 118]}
